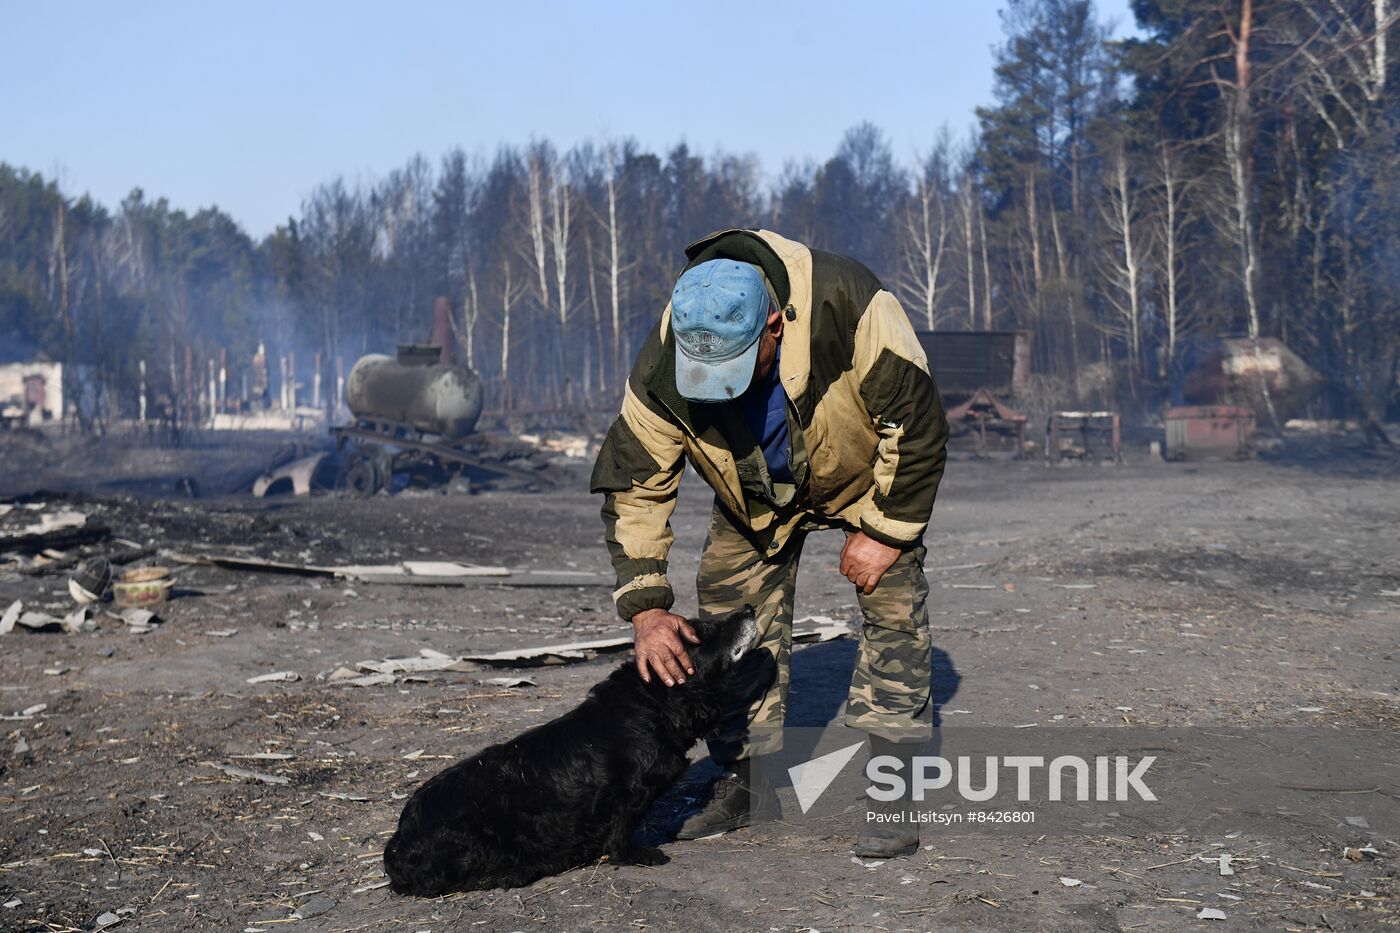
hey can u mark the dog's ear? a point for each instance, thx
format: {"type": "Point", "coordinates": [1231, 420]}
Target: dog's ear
{"type": "Point", "coordinates": [705, 628]}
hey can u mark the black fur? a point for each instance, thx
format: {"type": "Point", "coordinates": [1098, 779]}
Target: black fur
{"type": "Point", "coordinates": [571, 790]}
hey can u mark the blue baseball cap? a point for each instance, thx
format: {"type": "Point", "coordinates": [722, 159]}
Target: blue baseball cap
{"type": "Point", "coordinates": [718, 310]}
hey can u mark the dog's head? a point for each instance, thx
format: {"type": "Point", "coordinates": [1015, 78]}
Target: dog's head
{"type": "Point", "coordinates": [729, 669]}
{"type": "Point", "coordinates": [723, 641]}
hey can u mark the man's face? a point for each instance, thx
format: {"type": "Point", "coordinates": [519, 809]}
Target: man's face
{"type": "Point", "coordinates": [768, 346]}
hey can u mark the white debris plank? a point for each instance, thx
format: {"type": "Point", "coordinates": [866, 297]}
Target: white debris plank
{"type": "Point", "coordinates": [572, 651]}
{"type": "Point", "coordinates": [441, 568]}
{"type": "Point", "coordinates": [275, 677]}
{"type": "Point", "coordinates": [11, 616]}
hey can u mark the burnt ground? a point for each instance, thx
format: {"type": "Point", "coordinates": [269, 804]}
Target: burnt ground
{"type": "Point", "coordinates": [1149, 594]}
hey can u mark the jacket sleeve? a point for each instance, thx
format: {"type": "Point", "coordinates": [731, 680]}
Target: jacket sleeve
{"type": "Point", "coordinates": [902, 400]}
{"type": "Point", "coordinates": [639, 472]}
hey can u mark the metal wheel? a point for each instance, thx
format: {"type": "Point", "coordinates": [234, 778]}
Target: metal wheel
{"type": "Point", "coordinates": [367, 472]}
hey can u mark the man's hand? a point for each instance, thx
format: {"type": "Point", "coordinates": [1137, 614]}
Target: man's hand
{"type": "Point", "coordinates": [659, 645]}
{"type": "Point", "coordinates": [865, 560]}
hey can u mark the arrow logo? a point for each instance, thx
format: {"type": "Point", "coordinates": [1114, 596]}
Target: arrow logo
{"type": "Point", "coordinates": [811, 778]}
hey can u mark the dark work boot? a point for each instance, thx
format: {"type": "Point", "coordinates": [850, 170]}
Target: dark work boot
{"type": "Point", "coordinates": [740, 795]}
{"type": "Point", "coordinates": [891, 829]}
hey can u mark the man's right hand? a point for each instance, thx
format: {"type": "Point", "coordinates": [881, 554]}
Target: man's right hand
{"type": "Point", "coordinates": [659, 646]}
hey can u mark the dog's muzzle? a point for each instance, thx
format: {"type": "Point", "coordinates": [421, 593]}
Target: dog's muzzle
{"type": "Point", "coordinates": [748, 637]}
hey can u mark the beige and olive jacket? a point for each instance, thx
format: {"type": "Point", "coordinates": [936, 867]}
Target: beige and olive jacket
{"type": "Point", "coordinates": [865, 421]}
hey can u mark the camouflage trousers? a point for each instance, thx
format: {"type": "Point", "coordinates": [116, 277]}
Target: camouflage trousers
{"type": "Point", "coordinates": [890, 692]}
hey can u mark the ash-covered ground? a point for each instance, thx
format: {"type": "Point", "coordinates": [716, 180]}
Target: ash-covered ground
{"type": "Point", "coordinates": [1210, 595]}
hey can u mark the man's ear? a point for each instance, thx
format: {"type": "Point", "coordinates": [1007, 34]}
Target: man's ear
{"type": "Point", "coordinates": [775, 321]}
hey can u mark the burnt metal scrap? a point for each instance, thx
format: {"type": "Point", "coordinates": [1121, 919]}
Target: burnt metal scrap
{"type": "Point", "coordinates": [1083, 435]}
{"type": "Point", "coordinates": [377, 450]}
{"type": "Point", "coordinates": [299, 476]}
{"type": "Point", "coordinates": [990, 421]}
{"type": "Point", "coordinates": [30, 529]}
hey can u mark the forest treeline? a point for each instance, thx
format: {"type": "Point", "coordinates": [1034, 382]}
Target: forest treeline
{"type": "Point", "coordinates": [1234, 169]}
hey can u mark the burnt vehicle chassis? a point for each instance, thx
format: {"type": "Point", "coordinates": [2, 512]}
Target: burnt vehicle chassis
{"type": "Point", "coordinates": [375, 450]}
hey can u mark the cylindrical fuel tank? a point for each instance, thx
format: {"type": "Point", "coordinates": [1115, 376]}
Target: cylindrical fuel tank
{"type": "Point", "coordinates": [437, 399]}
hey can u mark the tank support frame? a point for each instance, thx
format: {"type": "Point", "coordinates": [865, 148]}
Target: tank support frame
{"type": "Point", "coordinates": [413, 443]}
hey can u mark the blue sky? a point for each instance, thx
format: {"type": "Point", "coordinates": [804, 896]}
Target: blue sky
{"type": "Point", "coordinates": [249, 105]}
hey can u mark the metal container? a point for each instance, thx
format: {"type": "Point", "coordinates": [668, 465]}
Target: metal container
{"type": "Point", "coordinates": [434, 398]}
{"type": "Point", "coordinates": [142, 588]}
{"type": "Point", "coordinates": [1209, 432]}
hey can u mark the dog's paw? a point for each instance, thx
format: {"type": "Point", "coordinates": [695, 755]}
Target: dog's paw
{"type": "Point", "coordinates": [641, 855]}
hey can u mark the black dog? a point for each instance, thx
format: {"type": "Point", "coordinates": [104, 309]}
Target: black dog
{"type": "Point", "coordinates": [572, 790]}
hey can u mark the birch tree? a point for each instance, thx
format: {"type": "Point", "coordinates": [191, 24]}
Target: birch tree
{"type": "Point", "coordinates": [512, 288]}
{"type": "Point", "coordinates": [1237, 135]}
{"type": "Point", "coordinates": [561, 230]}
{"type": "Point", "coordinates": [1170, 218]}
{"type": "Point", "coordinates": [614, 259]}
{"type": "Point", "coordinates": [1123, 261]}
{"type": "Point", "coordinates": [926, 228]}
{"type": "Point", "coordinates": [968, 212]}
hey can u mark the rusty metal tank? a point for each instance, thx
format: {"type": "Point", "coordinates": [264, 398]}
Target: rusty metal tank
{"type": "Point", "coordinates": [433, 397]}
